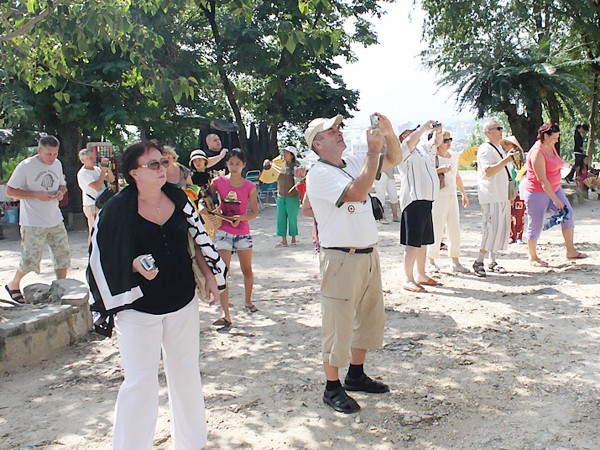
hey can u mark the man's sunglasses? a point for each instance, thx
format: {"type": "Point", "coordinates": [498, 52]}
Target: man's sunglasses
{"type": "Point", "coordinates": [445, 141]}
{"type": "Point", "coordinates": [155, 165]}
{"type": "Point", "coordinates": [498, 128]}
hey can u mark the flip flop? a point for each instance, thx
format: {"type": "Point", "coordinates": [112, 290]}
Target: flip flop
{"type": "Point", "coordinates": [413, 287]}
{"type": "Point", "coordinates": [538, 263]}
{"type": "Point", "coordinates": [579, 256]}
{"type": "Point", "coordinates": [15, 295]}
{"type": "Point", "coordinates": [222, 322]}
{"type": "Point", "coordinates": [251, 309]}
{"type": "Point", "coordinates": [430, 282]}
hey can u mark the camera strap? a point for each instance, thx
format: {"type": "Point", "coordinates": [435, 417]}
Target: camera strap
{"type": "Point", "coordinates": [505, 168]}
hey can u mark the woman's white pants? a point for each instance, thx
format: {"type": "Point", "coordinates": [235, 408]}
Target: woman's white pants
{"type": "Point", "coordinates": [141, 338]}
{"type": "Point", "coordinates": [386, 184]}
{"type": "Point", "coordinates": [445, 212]}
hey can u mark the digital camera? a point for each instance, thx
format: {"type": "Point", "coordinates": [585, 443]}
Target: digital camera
{"type": "Point", "coordinates": [147, 262]}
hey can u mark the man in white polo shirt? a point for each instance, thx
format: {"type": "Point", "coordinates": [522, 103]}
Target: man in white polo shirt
{"type": "Point", "coordinates": [351, 294]}
{"type": "Point", "coordinates": [38, 182]}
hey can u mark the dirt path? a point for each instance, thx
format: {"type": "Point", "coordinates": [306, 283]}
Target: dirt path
{"type": "Point", "coordinates": [510, 361]}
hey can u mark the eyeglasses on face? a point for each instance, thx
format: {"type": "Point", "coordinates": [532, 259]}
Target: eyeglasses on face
{"type": "Point", "coordinates": [498, 128]}
{"type": "Point", "coordinates": [446, 140]}
{"type": "Point", "coordinates": [155, 165]}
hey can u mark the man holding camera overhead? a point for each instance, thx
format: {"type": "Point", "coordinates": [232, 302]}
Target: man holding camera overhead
{"type": "Point", "coordinates": [351, 293]}
{"type": "Point", "coordinates": [92, 182]}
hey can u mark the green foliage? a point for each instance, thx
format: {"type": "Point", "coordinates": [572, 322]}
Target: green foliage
{"type": "Point", "coordinates": [520, 58]}
{"type": "Point", "coordinates": [8, 165]}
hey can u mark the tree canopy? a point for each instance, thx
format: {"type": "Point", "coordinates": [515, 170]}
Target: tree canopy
{"type": "Point", "coordinates": [530, 60]}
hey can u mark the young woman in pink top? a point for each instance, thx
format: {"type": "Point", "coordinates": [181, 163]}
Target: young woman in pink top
{"type": "Point", "coordinates": [236, 193]}
{"type": "Point", "coordinates": [542, 191]}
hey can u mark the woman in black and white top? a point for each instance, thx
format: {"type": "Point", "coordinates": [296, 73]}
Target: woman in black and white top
{"type": "Point", "coordinates": [154, 314]}
{"type": "Point", "coordinates": [419, 186]}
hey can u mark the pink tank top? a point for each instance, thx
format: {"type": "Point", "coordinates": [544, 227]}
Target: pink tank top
{"type": "Point", "coordinates": [242, 193]}
{"type": "Point", "coordinates": [553, 166]}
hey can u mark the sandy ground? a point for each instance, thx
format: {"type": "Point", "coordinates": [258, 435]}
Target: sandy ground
{"type": "Point", "coordinates": [506, 362]}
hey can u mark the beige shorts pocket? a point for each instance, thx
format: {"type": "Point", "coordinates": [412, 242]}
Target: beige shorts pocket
{"type": "Point", "coordinates": [338, 272]}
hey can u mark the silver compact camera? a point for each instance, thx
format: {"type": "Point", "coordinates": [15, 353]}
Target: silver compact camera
{"type": "Point", "coordinates": [374, 120]}
{"type": "Point", "coordinates": [147, 262]}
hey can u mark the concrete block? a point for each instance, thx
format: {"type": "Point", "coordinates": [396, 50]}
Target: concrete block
{"type": "Point", "coordinates": [34, 337]}
{"type": "Point", "coordinates": [38, 293]}
{"type": "Point", "coordinates": [42, 333]}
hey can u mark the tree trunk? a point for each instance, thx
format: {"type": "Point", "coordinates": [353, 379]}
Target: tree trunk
{"type": "Point", "coordinates": [71, 141]}
{"type": "Point", "coordinates": [273, 146]}
{"type": "Point", "coordinates": [554, 111]}
{"type": "Point", "coordinates": [524, 127]}
{"type": "Point", "coordinates": [209, 9]}
{"type": "Point", "coordinates": [592, 118]}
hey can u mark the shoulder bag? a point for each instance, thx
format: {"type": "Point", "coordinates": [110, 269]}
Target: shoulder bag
{"type": "Point", "coordinates": [105, 196]}
{"type": "Point", "coordinates": [376, 205]}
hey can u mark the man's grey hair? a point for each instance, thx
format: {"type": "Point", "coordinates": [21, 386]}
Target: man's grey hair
{"type": "Point", "coordinates": [84, 152]}
{"type": "Point", "coordinates": [493, 122]}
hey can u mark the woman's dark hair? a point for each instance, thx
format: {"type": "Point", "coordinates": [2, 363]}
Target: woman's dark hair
{"type": "Point", "coordinates": [583, 126]}
{"type": "Point", "coordinates": [547, 128]}
{"type": "Point", "coordinates": [133, 153]}
{"type": "Point", "coordinates": [239, 154]}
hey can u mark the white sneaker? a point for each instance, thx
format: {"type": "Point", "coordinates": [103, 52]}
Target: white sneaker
{"type": "Point", "coordinates": [432, 268]}
{"type": "Point", "coordinates": [459, 268]}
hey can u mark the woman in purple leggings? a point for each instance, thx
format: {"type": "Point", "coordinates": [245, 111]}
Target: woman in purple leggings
{"type": "Point", "coordinates": [541, 191]}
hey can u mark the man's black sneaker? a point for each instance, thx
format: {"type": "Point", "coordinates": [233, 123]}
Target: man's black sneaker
{"type": "Point", "coordinates": [365, 384]}
{"type": "Point", "coordinates": [340, 401]}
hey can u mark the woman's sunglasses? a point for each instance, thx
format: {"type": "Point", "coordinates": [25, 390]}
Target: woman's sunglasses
{"type": "Point", "coordinates": [155, 165]}
{"type": "Point", "coordinates": [446, 140]}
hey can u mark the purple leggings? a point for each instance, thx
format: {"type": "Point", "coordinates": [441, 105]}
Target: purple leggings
{"type": "Point", "coordinates": [536, 204]}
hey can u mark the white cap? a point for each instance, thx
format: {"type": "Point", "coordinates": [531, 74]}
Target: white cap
{"type": "Point", "coordinates": [407, 126]}
{"type": "Point", "coordinates": [293, 150]}
{"type": "Point", "coordinates": [318, 125]}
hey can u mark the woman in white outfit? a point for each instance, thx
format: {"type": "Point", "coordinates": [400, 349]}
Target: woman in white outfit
{"type": "Point", "coordinates": [445, 207]}
{"type": "Point", "coordinates": [387, 183]}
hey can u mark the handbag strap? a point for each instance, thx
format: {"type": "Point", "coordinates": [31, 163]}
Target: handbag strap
{"type": "Point", "coordinates": [505, 168]}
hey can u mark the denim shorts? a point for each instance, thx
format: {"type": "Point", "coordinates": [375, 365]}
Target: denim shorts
{"type": "Point", "coordinates": [232, 242]}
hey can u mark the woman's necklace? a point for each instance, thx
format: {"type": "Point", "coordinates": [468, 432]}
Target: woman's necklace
{"type": "Point", "coordinates": [157, 208]}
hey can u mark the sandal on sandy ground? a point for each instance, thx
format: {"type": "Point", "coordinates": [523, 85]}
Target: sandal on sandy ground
{"type": "Point", "coordinates": [250, 309]}
{"type": "Point", "coordinates": [538, 263]}
{"type": "Point", "coordinates": [495, 267]}
{"type": "Point", "coordinates": [222, 322]}
{"type": "Point", "coordinates": [341, 401]}
{"type": "Point", "coordinates": [15, 295]}
{"type": "Point", "coordinates": [578, 256]}
{"type": "Point", "coordinates": [413, 287]}
{"type": "Point", "coordinates": [429, 282]}
{"type": "Point", "coordinates": [478, 269]}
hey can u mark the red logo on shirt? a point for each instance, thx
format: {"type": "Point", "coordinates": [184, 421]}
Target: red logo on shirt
{"type": "Point", "coordinates": [351, 209]}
